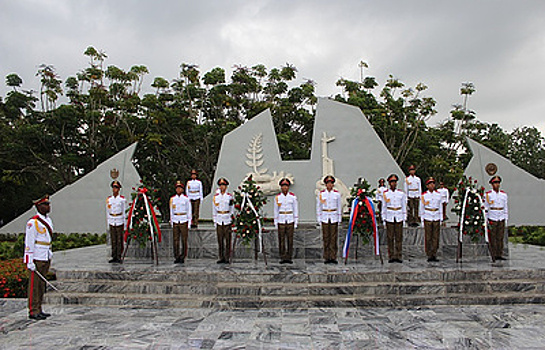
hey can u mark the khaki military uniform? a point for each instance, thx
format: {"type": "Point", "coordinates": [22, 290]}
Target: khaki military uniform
{"type": "Point", "coordinates": [394, 213]}
{"type": "Point", "coordinates": [329, 214]}
{"type": "Point", "coordinates": [222, 211]}
{"type": "Point", "coordinates": [180, 214]}
{"type": "Point", "coordinates": [497, 214]}
{"type": "Point", "coordinates": [286, 218]}
{"type": "Point", "coordinates": [115, 214]}
{"type": "Point", "coordinates": [431, 212]}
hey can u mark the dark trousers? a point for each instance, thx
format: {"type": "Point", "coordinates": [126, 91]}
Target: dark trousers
{"type": "Point", "coordinates": [431, 243]}
{"type": "Point", "coordinates": [329, 235]}
{"type": "Point", "coordinates": [116, 237]}
{"type": "Point", "coordinates": [195, 207]}
{"type": "Point", "coordinates": [36, 287]}
{"type": "Point", "coordinates": [180, 231]}
{"type": "Point", "coordinates": [412, 211]}
{"type": "Point", "coordinates": [496, 230]}
{"type": "Point", "coordinates": [285, 240]}
{"type": "Point", "coordinates": [394, 236]}
{"type": "Point", "coordinates": [224, 241]}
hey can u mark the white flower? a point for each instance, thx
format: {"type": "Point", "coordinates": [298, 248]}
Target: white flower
{"type": "Point", "coordinates": [475, 223]}
{"type": "Point", "coordinates": [466, 222]}
{"type": "Point", "coordinates": [476, 208]}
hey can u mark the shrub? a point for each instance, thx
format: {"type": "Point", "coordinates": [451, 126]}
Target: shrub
{"type": "Point", "coordinates": [13, 279]}
{"type": "Point", "coordinates": [528, 234]}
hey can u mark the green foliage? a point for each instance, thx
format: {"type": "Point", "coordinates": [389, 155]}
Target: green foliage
{"type": "Point", "coordinates": [363, 225]}
{"type": "Point", "coordinates": [528, 234]}
{"type": "Point", "coordinates": [13, 279]}
{"type": "Point", "coordinates": [473, 219]}
{"type": "Point", "coordinates": [246, 224]}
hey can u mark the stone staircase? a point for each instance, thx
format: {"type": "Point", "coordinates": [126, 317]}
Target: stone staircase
{"type": "Point", "coordinates": [303, 285]}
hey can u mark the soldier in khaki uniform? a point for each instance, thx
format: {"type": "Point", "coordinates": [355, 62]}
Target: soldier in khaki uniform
{"type": "Point", "coordinates": [497, 214]}
{"type": "Point", "coordinates": [431, 212]}
{"type": "Point", "coordinates": [329, 215]}
{"type": "Point", "coordinates": [115, 213]}
{"type": "Point", "coordinates": [413, 189]}
{"type": "Point", "coordinates": [194, 193]}
{"type": "Point", "coordinates": [38, 256]}
{"type": "Point", "coordinates": [223, 208]}
{"type": "Point", "coordinates": [286, 218]}
{"type": "Point", "coordinates": [394, 213]}
{"type": "Point", "coordinates": [180, 214]}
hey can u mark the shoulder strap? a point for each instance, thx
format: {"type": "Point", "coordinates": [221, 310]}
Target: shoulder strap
{"type": "Point", "coordinates": [44, 223]}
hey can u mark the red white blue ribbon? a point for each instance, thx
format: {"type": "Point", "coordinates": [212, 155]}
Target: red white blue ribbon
{"type": "Point", "coordinates": [353, 215]}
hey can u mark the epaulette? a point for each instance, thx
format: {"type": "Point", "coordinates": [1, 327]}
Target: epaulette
{"type": "Point", "coordinates": [293, 194]}
{"type": "Point", "coordinates": [172, 196]}
{"type": "Point", "coordinates": [386, 191]}
{"type": "Point", "coordinates": [423, 193]}
{"type": "Point", "coordinates": [322, 191]}
{"type": "Point", "coordinates": [502, 191]}
{"type": "Point", "coordinates": [121, 196]}
{"type": "Point", "coordinates": [488, 191]}
{"type": "Point", "coordinates": [109, 197]}
{"type": "Point", "coordinates": [334, 190]}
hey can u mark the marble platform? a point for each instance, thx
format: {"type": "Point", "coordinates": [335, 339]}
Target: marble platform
{"type": "Point", "coordinates": [86, 278]}
{"type": "Point", "coordinates": [203, 244]}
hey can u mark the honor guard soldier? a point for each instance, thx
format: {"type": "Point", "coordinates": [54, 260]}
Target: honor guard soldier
{"type": "Point", "coordinates": [115, 213]}
{"type": "Point", "coordinates": [497, 214]}
{"type": "Point", "coordinates": [445, 196]}
{"type": "Point", "coordinates": [222, 213]}
{"type": "Point", "coordinates": [194, 193]}
{"type": "Point", "coordinates": [286, 218]}
{"type": "Point", "coordinates": [180, 214]}
{"type": "Point", "coordinates": [413, 189]}
{"type": "Point", "coordinates": [394, 213]}
{"type": "Point", "coordinates": [379, 196]}
{"type": "Point", "coordinates": [431, 212]}
{"type": "Point", "coordinates": [39, 230]}
{"type": "Point", "coordinates": [329, 214]}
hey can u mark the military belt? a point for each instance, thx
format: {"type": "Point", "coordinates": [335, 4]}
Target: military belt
{"type": "Point", "coordinates": [285, 212]}
{"type": "Point", "coordinates": [180, 213]}
{"type": "Point", "coordinates": [329, 210]}
{"type": "Point", "coordinates": [431, 209]}
{"type": "Point", "coordinates": [194, 191]}
{"type": "Point", "coordinates": [223, 212]}
{"type": "Point", "coordinates": [495, 208]}
{"type": "Point", "coordinates": [43, 243]}
{"type": "Point", "coordinates": [413, 189]}
{"type": "Point", "coordinates": [393, 208]}
{"type": "Point", "coordinates": [116, 214]}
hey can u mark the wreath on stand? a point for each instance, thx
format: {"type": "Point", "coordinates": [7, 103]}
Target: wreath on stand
{"type": "Point", "coordinates": [469, 206]}
{"type": "Point", "coordinates": [363, 221]}
{"type": "Point", "coordinates": [142, 223]}
{"type": "Point", "coordinates": [248, 222]}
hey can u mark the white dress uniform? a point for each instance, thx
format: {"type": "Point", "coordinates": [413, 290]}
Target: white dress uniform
{"type": "Point", "coordinates": [394, 206]}
{"type": "Point", "coordinates": [193, 189]}
{"type": "Point", "coordinates": [431, 206]}
{"type": "Point", "coordinates": [495, 205]}
{"type": "Point", "coordinates": [115, 210]}
{"type": "Point", "coordinates": [38, 239]}
{"type": "Point", "coordinates": [412, 186]}
{"type": "Point", "coordinates": [445, 196]}
{"type": "Point", "coordinates": [180, 209]}
{"type": "Point", "coordinates": [380, 193]}
{"type": "Point", "coordinates": [222, 208]}
{"type": "Point", "coordinates": [329, 206]}
{"type": "Point", "coordinates": [286, 209]}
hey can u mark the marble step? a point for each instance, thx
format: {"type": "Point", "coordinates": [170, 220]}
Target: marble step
{"type": "Point", "coordinates": [333, 289]}
{"type": "Point", "coordinates": [248, 302]}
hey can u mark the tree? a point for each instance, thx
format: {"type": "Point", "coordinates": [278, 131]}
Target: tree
{"type": "Point", "coordinates": [14, 81]}
{"type": "Point", "coordinates": [526, 149]}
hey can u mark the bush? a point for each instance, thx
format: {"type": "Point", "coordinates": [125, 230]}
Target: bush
{"type": "Point", "coordinates": [528, 234]}
{"type": "Point", "coordinates": [13, 279]}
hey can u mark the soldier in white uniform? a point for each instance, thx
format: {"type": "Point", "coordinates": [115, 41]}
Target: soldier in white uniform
{"type": "Point", "coordinates": [329, 214]}
{"type": "Point", "coordinates": [497, 214]}
{"type": "Point", "coordinates": [413, 189]}
{"type": "Point", "coordinates": [194, 193]}
{"type": "Point", "coordinates": [115, 214]}
{"type": "Point", "coordinates": [394, 213]}
{"type": "Point", "coordinates": [446, 196]}
{"type": "Point", "coordinates": [431, 212]}
{"type": "Point", "coordinates": [286, 218]}
{"type": "Point", "coordinates": [180, 214]}
{"type": "Point", "coordinates": [38, 256]}
{"type": "Point", "coordinates": [222, 212]}
{"type": "Point", "coordinates": [379, 196]}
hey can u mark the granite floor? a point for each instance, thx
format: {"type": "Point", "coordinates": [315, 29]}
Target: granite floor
{"type": "Point", "coordinates": [472, 327]}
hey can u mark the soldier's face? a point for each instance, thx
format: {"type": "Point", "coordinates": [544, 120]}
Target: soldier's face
{"type": "Point", "coordinates": [496, 186]}
{"type": "Point", "coordinates": [44, 208]}
{"type": "Point", "coordinates": [179, 190]}
{"type": "Point", "coordinates": [329, 185]}
{"type": "Point", "coordinates": [393, 184]}
{"type": "Point", "coordinates": [193, 176]}
{"type": "Point", "coordinates": [223, 188]}
{"type": "Point", "coordinates": [284, 188]}
{"type": "Point", "coordinates": [431, 186]}
{"type": "Point", "coordinates": [412, 172]}
{"type": "Point", "coordinates": [115, 190]}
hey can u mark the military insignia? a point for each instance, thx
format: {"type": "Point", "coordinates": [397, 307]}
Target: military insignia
{"type": "Point", "coordinates": [491, 168]}
{"type": "Point", "coordinates": [114, 173]}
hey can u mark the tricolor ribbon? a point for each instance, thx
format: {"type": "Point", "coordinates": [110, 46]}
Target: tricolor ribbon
{"type": "Point", "coordinates": [245, 198]}
{"type": "Point", "coordinates": [353, 215]}
{"type": "Point", "coordinates": [152, 218]}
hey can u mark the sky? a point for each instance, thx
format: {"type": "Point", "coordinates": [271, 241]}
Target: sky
{"type": "Point", "coordinates": [497, 45]}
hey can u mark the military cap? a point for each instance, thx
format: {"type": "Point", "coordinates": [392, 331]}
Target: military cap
{"type": "Point", "coordinates": [381, 180]}
{"type": "Point", "coordinates": [285, 181]}
{"type": "Point", "coordinates": [223, 181]}
{"type": "Point", "coordinates": [179, 184]}
{"type": "Point", "coordinates": [43, 200]}
{"type": "Point", "coordinates": [393, 176]}
{"type": "Point", "coordinates": [115, 183]}
{"type": "Point", "coordinates": [329, 178]}
{"type": "Point", "coordinates": [430, 180]}
{"type": "Point", "coordinates": [495, 179]}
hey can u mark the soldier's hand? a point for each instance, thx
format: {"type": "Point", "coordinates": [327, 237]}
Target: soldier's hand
{"type": "Point", "coordinates": [31, 266]}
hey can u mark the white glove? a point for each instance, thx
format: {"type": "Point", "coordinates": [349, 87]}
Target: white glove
{"type": "Point", "coordinates": [31, 266]}
{"type": "Point", "coordinates": [295, 226]}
